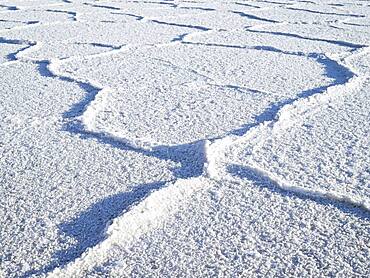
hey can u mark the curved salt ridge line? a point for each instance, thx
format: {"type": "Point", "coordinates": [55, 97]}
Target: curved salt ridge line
{"type": "Point", "coordinates": [33, 46]}
{"type": "Point", "coordinates": [282, 184]}
{"type": "Point", "coordinates": [290, 115]}
{"type": "Point", "coordinates": [16, 56]}
{"type": "Point", "coordinates": [97, 105]}
{"type": "Point", "coordinates": [87, 118]}
{"type": "Point", "coordinates": [130, 226]}
{"type": "Point", "coordinates": [139, 220]}
{"type": "Point", "coordinates": [286, 117]}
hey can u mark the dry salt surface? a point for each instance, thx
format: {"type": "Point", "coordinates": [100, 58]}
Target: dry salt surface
{"type": "Point", "coordinates": [170, 138]}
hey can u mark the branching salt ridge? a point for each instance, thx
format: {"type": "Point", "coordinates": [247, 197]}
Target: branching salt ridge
{"type": "Point", "coordinates": [153, 211]}
{"type": "Point", "coordinates": [159, 205]}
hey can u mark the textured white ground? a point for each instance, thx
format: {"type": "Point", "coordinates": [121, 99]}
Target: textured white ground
{"type": "Point", "coordinates": [184, 138]}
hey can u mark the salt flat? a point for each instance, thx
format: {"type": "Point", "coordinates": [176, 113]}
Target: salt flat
{"type": "Point", "coordinates": [184, 138]}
